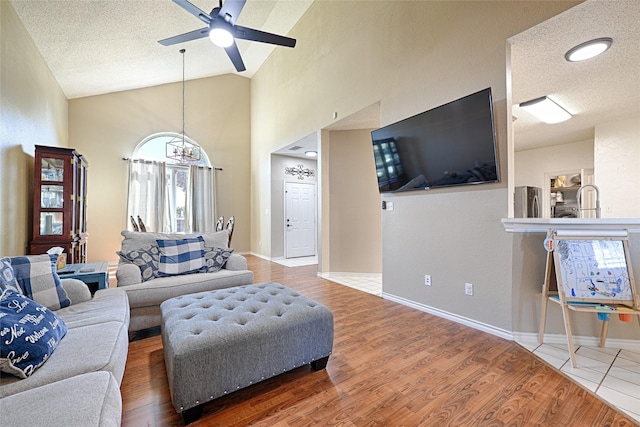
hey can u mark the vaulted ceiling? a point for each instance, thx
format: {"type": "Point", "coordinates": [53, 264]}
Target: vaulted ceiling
{"type": "Point", "coordinates": [102, 46]}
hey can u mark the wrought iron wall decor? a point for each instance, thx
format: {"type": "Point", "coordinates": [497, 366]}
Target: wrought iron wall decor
{"type": "Point", "coordinates": [300, 171]}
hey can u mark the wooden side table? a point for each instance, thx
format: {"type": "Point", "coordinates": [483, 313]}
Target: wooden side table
{"type": "Point", "coordinates": [94, 274]}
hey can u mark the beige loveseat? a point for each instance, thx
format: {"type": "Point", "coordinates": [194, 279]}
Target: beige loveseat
{"type": "Point", "coordinates": [145, 297]}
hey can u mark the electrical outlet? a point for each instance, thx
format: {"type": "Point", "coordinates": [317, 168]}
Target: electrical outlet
{"type": "Point", "coordinates": [468, 288]}
{"type": "Point", "coordinates": [427, 280]}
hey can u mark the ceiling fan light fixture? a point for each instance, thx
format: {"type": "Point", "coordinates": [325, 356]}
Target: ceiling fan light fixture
{"type": "Point", "coordinates": [546, 110]}
{"type": "Point", "coordinates": [588, 50]}
{"type": "Point", "coordinates": [221, 37]}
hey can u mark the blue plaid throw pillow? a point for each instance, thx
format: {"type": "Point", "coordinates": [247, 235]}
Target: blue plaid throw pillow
{"type": "Point", "coordinates": [180, 256]}
{"type": "Point", "coordinates": [7, 278]}
{"type": "Point", "coordinates": [38, 278]}
{"type": "Point", "coordinates": [29, 332]}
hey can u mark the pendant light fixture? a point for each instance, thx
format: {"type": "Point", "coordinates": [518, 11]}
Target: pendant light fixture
{"type": "Point", "coordinates": [179, 149]}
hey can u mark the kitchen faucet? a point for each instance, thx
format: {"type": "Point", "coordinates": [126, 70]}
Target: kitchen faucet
{"type": "Point", "coordinates": [597, 208]}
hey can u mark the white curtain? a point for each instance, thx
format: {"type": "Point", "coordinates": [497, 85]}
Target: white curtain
{"type": "Point", "coordinates": [200, 209]}
{"type": "Point", "coordinates": [148, 194]}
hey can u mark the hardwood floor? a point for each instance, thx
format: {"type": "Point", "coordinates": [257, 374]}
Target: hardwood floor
{"type": "Point", "coordinates": [391, 366]}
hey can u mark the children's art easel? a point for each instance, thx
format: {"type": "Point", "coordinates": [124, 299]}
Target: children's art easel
{"type": "Point", "coordinates": [589, 272]}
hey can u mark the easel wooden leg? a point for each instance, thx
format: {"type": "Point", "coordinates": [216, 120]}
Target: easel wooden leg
{"type": "Point", "coordinates": [567, 328]}
{"type": "Point", "coordinates": [543, 316]}
{"type": "Point", "coordinates": [603, 332]}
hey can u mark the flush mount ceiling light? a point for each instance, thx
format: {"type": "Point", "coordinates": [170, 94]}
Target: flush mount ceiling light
{"type": "Point", "coordinates": [546, 110]}
{"type": "Point", "coordinates": [311, 153]}
{"type": "Point", "coordinates": [588, 50]}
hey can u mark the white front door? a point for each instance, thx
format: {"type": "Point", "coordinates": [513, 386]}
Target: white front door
{"type": "Point", "coordinates": [300, 219]}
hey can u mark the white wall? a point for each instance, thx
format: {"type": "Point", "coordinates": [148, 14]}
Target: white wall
{"type": "Point", "coordinates": [531, 165]}
{"type": "Point", "coordinates": [617, 161]}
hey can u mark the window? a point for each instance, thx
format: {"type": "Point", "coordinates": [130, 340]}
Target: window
{"type": "Point", "coordinates": [167, 195]}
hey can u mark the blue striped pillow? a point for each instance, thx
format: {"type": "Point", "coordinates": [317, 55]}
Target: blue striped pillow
{"type": "Point", "coordinates": [180, 256]}
{"type": "Point", "coordinates": [38, 278]}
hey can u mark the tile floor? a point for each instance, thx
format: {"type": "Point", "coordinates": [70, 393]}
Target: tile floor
{"type": "Point", "coordinates": [370, 283]}
{"type": "Point", "coordinates": [612, 374]}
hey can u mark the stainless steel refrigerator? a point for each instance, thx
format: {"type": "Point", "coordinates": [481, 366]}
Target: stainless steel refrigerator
{"type": "Point", "coordinates": [528, 202]}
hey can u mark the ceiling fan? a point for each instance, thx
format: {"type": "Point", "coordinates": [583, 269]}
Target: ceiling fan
{"type": "Point", "coordinates": [222, 30]}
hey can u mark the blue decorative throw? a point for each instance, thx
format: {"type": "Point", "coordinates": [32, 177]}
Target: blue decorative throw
{"type": "Point", "coordinates": [180, 256]}
{"type": "Point", "coordinates": [29, 333]}
{"type": "Point", "coordinates": [38, 279]}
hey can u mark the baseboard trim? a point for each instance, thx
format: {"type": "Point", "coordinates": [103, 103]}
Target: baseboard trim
{"type": "Point", "coordinates": [520, 337]}
{"type": "Point", "coordinates": [502, 333]}
{"type": "Point", "coordinates": [260, 256]}
{"type": "Point", "coordinates": [532, 338]}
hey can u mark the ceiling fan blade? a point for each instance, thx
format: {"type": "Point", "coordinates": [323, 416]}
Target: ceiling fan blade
{"type": "Point", "coordinates": [194, 10]}
{"type": "Point", "coordinates": [231, 10]}
{"type": "Point", "coordinates": [234, 55]}
{"type": "Point", "coordinates": [191, 35]}
{"type": "Point", "coordinates": [245, 33]}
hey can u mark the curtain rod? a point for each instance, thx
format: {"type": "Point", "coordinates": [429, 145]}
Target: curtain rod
{"type": "Point", "coordinates": [127, 159]}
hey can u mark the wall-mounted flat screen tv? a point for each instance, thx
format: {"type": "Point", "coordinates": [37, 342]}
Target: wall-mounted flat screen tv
{"type": "Point", "coordinates": [453, 144]}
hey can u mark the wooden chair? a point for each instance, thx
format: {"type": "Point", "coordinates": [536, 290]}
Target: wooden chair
{"type": "Point", "coordinates": [134, 224]}
{"type": "Point", "coordinates": [141, 224]}
{"type": "Point", "coordinates": [230, 224]}
{"type": "Point", "coordinates": [220, 224]}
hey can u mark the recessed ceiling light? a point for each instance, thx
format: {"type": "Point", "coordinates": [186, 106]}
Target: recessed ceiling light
{"type": "Point", "coordinates": [546, 110]}
{"type": "Point", "coordinates": [311, 153]}
{"type": "Point", "coordinates": [588, 50]}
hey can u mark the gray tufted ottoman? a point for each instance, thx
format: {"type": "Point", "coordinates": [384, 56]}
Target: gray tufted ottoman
{"type": "Point", "coordinates": [220, 341]}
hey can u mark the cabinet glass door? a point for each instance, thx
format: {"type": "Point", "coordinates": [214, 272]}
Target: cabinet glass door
{"type": "Point", "coordinates": [51, 223]}
{"type": "Point", "coordinates": [52, 169]}
{"type": "Point", "coordinates": [52, 196]}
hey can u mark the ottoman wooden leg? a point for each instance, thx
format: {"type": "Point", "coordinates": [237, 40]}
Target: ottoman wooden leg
{"type": "Point", "coordinates": [320, 363]}
{"type": "Point", "coordinates": [192, 414]}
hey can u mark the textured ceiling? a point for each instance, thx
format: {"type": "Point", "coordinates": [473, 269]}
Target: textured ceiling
{"type": "Point", "coordinates": [596, 91]}
{"type": "Point", "coordinates": [101, 46]}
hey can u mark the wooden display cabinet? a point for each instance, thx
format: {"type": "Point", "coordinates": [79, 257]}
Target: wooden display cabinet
{"type": "Point", "coordinates": [59, 202]}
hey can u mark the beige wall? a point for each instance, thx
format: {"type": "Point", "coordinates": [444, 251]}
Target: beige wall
{"type": "Point", "coordinates": [617, 168]}
{"type": "Point", "coordinates": [355, 227]}
{"type": "Point", "coordinates": [410, 56]}
{"type": "Point", "coordinates": [106, 128]}
{"type": "Point", "coordinates": [33, 112]}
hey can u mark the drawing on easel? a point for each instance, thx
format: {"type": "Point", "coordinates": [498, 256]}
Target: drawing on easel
{"type": "Point", "coordinates": [594, 269]}
{"type": "Point", "coordinates": [589, 275]}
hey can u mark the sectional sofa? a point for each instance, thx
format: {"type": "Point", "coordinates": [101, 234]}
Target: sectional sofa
{"type": "Point", "coordinates": [79, 384]}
